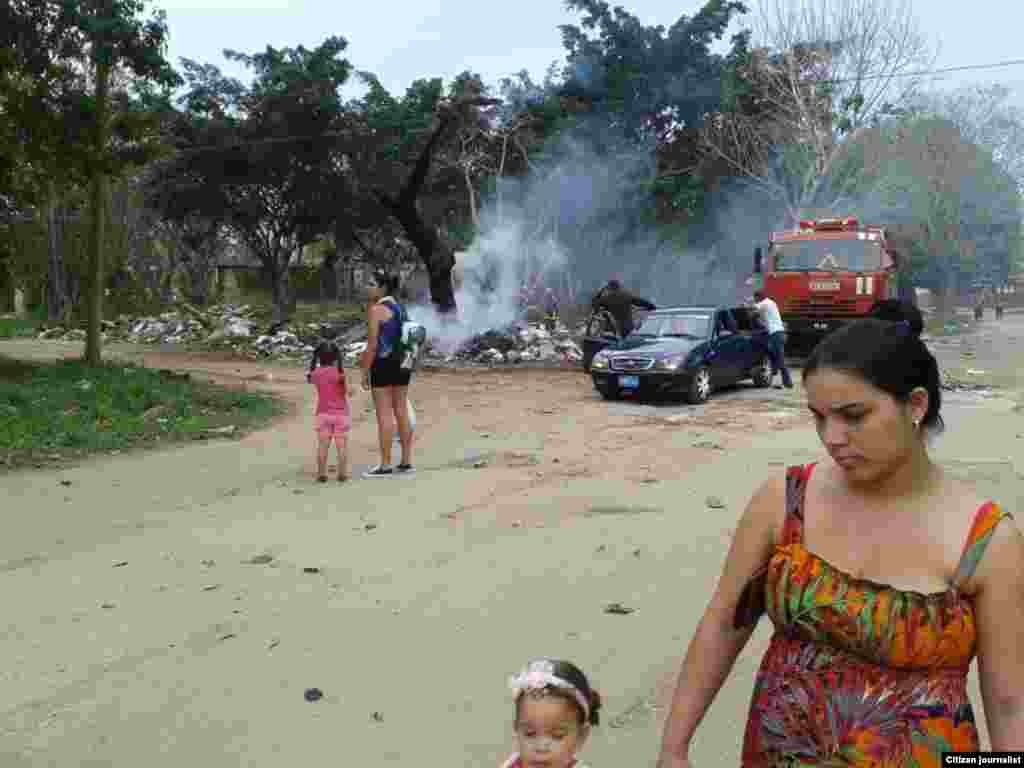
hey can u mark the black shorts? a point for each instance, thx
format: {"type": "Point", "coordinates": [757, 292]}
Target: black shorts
{"type": "Point", "coordinates": [388, 373]}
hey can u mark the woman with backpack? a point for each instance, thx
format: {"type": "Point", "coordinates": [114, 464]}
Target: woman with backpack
{"type": "Point", "coordinates": [384, 375]}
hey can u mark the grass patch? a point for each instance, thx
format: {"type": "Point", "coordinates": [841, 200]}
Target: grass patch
{"type": "Point", "coordinates": [69, 410]}
{"type": "Point", "coordinates": [21, 327]}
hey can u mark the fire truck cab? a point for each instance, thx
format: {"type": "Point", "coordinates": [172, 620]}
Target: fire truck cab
{"type": "Point", "coordinates": [825, 273]}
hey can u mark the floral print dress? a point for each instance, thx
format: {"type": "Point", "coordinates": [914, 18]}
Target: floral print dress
{"type": "Point", "coordinates": [858, 673]}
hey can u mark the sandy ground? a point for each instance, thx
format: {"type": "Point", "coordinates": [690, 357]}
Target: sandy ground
{"type": "Point", "coordinates": [138, 634]}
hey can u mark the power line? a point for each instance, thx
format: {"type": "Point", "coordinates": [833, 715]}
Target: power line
{"type": "Point", "coordinates": [926, 73]}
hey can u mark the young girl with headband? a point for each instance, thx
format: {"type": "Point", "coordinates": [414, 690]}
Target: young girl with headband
{"type": "Point", "coordinates": [555, 710]}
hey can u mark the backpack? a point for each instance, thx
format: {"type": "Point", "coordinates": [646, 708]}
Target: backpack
{"type": "Point", "coordinates": [409, 342]}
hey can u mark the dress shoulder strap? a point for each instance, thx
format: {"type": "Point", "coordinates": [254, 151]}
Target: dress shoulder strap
{"type": "Point", "coordinates": [750, 605]}
{"type": "Point", "coordinates": [796, 492]}
{"type": "Point", "coordinates": [986, 519]}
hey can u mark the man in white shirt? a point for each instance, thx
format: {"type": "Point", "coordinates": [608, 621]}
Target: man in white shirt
{"type": "Point", "coordinates": [768, 311]}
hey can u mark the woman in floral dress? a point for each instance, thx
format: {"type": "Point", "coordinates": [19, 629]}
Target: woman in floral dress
{"type": "Point", "coordinates": [883, 577]}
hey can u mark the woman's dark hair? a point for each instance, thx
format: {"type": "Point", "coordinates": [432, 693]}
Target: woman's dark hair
{"type": "Point", "coordinates": [885, 350]}
{"type": "Point", "coordinates": [566, 670]}
{"type": "Point", "coordinates": [388, 281]}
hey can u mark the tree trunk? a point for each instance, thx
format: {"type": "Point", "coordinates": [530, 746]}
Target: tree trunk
{"type": "Point", "coordinates": [199, 267]}
{"type": "Point", "coordinates": [7, 303]}
{"type": "Point", "coordinates": [93, 338]}
{"type": "Point", "coordinates": [329, 278]}
{"type": "Point", "coordinates": [281, 293]}
{"type": "Point", "coordinates": [436, 256]}
{"type": "Point", "coordinates": [474, 214]}
{"type": "Point", "coordinates": [58, 299]}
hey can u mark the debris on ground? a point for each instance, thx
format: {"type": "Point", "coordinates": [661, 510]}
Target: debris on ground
{"type": "Point", "coordinates": [313, 694]}
{"type": "Point", "coordinates": [227, 326]}
{"type": "Point", "coordinates": [236, 328]}
{"type": "Point", "coordinates": [515, 344]}
{"type": "Point", "coordinates": [951, 382]}
{"type": "Point", "coordinates": [618, 609]}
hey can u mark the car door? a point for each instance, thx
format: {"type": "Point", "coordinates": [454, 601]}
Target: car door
{"type": "Point", "coordinates": [728, 347]}
{"type": "Point", "coordinates": [750, 351]}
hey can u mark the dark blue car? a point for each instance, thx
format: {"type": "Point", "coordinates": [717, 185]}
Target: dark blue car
{"type": "Point", "coordinates": [690, 351]}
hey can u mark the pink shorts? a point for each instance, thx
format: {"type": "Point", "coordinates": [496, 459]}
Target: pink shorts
{"type": "Point", "coordinates": [330, 424]}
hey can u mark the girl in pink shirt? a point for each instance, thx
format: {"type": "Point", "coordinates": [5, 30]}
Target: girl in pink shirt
{"type": "Point", "coordinates": [333, 416]}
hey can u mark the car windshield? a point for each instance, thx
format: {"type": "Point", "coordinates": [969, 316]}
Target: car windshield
{"type": "Point", "coordinates": [827, 256]}
{"type": "Point", "coordinates": [685, 326]}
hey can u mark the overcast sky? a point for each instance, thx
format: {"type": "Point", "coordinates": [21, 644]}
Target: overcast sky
{"type": "Point", "coordinates": [401, 40]}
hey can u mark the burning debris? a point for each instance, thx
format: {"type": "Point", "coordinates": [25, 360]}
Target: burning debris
{"type": "Point", "coordinates": [518, 343]}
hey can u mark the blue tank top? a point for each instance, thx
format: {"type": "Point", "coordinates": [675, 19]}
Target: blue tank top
{"type": "Point", "coordinates": [390, 331]}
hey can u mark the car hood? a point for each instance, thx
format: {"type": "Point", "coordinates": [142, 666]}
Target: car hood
{"type": "Point", "coordinates": [656, 347]}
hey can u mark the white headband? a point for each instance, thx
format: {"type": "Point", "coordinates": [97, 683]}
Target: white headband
{"type": "Point", "coordinates": [540, 674]}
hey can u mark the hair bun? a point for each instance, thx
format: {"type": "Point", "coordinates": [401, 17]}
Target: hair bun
{"type": "Point", "coordinates": [595, 707]}
{"type": "Point", "coordinates": [897, 311]}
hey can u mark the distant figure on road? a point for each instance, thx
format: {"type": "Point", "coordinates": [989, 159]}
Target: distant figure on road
{"type": "Point", "coordinates": [333, 415]}
{"type": "Point", "coordinates": [768, 312]}
{"type": "Point", "coordinates": [619, 303]}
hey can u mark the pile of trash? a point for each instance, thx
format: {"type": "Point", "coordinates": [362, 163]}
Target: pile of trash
{"type": "Point", "coordinates": [515, 344]}
{"type": "Point", "coordinates": [235, 328]}
{"type": "Point", "coordinates": [226, 326]}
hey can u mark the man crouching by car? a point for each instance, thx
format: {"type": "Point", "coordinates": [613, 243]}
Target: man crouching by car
{"type": "Point", "coordinates": [619, 304]}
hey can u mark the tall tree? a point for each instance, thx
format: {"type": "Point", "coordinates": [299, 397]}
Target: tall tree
{"type": "Point", "coordinates": [68, 51]}
{"type": "Point", "coordinates": [826, 70]}
{"type": "Point", "coordinates": [263, 159]}
{"type": "Point", "coordinates": [410, 135]}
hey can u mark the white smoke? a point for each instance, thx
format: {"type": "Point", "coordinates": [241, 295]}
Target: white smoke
{"type": "Point", "coordinates": [508, 266]}
{"type": "Point", "coordinates": [560, 233]}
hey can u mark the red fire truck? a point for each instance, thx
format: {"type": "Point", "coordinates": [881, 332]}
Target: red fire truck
{"type": "Point", "coordinates": [825, 273]}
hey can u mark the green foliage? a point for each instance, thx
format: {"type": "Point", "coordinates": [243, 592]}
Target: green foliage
{"type": "Point", "coordinates": [22, 327]}
{"type": "Point", "coordinates": [72, 409]}
{"type": "Point", "coordinates": [683, 193]}
{"type": "Point", "coordinates": [263, 160]}
{"type": "Point", "coordinates": [640, 71]}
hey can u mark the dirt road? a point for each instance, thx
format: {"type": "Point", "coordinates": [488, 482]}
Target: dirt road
{"type": "Point", "coordinates": [171, 608]}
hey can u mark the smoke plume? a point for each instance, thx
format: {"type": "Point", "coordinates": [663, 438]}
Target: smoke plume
{"type": "Point", "coordinates": [585, 217]}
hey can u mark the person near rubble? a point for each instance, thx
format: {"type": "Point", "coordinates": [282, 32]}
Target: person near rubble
{"type": "Point", "coordinates": [382, 373]}
{"type": "Point", "coordinates": [864, 625]}
{"type": "Point", "coordinates": [333, 414]}
{"type": "Point", "coordinates": [768, 313]}
{"type": "Point", "coordinates": [619, 303]}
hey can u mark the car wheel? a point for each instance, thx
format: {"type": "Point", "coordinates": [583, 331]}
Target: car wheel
{"type": "Point", "coordinates": [762, 372]}
{"type": "Point", "coordinates": [608, 392]}
{"type": "Point", "coordinates": [700, 386]}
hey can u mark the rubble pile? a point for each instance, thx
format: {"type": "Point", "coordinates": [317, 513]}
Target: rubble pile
{"type": "Point", "coordinates": [234, 327]}
{"type": "Point", "coordinates": [227, 326]}
{"type": "Point", "coordinates": [518, 343]}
